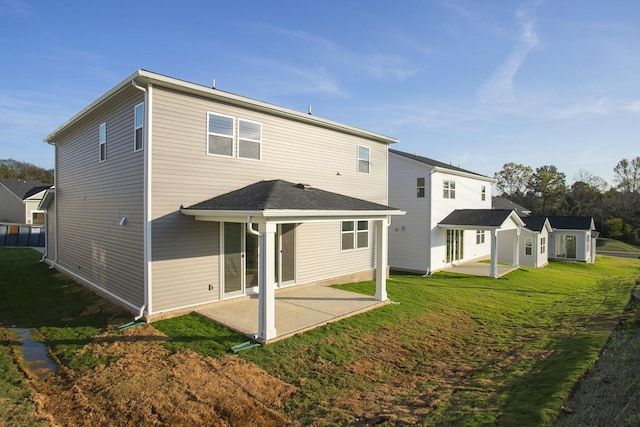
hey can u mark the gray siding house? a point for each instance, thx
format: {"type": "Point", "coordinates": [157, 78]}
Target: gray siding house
{"type": "Point", "coordinates": [171, 195]}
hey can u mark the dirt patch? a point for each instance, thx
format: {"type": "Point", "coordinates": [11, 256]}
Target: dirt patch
{"type": "Point", "coordinates": [149, 386]}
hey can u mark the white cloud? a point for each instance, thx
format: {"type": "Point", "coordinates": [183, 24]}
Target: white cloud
{"type": "Point", "coordinates": [499, 88]}
{"type": "Point", "coordinates": [634, 107]}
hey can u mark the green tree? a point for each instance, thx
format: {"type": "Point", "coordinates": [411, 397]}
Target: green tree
{"type": "Point", "coordinates": [513, 180]}
{"type": "Point", "coordinates": [549, 186]}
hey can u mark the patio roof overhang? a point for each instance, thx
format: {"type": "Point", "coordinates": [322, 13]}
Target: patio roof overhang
{"type": "Point", "coordinates": [280, 216]}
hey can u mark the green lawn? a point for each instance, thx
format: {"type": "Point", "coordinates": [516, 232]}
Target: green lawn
{"type": "Point", "coordinates": [451, 350]}
{"type": "Point", "coordinates": [614, 245]}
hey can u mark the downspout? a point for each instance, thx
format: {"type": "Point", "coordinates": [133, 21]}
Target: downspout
{"type": "Point", "coordinates": [250, 227]}
{"type": "Point", "coordinates": [145, 198]}
{"type": "Point", "coordinates": [250, 230]}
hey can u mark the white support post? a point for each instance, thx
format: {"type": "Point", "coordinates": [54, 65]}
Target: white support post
{"type": "Point", "coordinates": [266, 284]}
{"type": "Point", "coordinates": [516, 249]}
{"type": "Point", "coordinates": [494, 254]}
{"type": "Point", "coordinates": [382, 229]}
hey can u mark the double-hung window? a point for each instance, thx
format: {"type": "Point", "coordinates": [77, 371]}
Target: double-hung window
{"type": "Point", "coordinates": [138, 127]}
{"type": "Point", "coordinates": [249, 139]}
{"type": "Point", "coordinates": [420, 186]}
{"type": "Point", "coordinates": [103, 142]}
{"type": "Point", "coordinates": [355, 235]}
{"type": "Point", "coordinates": [528, 246]}
{"type": "Point", "coordinates": [483, 193]}
{"type": "Point", "coordinates": [364, 160]}
{"type": "Point", "coordinates": [220, 135]}
{"type": "Point", "coordinates": [543, 245]}
{"type": "Point", "coordinates": [479, 237]}
{"type": "Point", "coordinates": [449, 189]}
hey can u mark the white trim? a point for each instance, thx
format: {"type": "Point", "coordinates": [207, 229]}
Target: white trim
{"type": "Point", "coordinates": [148, 206]}
{"type": "Point", "coordinates": [233, 135]}
{"type": "Point", "coordinates": [239, 139]}
{"type": "Point", "coordinates": [368, 172]}
{"type": "Point", "coordinates": [135, 127]}
{"type": "Point", "coordinates": [285, 215]}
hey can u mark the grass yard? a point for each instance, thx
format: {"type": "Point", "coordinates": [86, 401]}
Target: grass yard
{"type": "Point", "coordinates": [450, 350]}
{"type": "Point", "coordinates": [613, 245]}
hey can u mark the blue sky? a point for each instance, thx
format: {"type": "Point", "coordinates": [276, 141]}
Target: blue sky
{"type": "Point", "coordinates": [474, 83]}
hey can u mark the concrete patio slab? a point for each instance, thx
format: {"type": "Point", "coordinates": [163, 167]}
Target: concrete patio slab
{"type": "Point", "coordinates": [298, 309]}
{"type": "Point", "coordinates": [478, 268]}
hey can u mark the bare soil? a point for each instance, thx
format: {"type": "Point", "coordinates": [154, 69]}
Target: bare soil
{"type": "Point", "coordinates": [149, 386]}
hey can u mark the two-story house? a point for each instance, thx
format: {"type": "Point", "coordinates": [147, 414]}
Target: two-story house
{"type": "Point", "coordinates": [171, 195]}
{"type": "Point", "coordinates": [449, 217]}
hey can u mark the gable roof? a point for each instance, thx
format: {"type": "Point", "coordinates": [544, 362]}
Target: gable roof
{"type": "Point", "coordinates": [480, 218]}
{"type": "Point", "coordinates": [572, 222]}
{"type": "Point", "coordinates": [534, 223]}
{"type": "Point", "coordinates": [144, 77]}
{"type": "Point", "coordinates": [500, 202]}
{"type": "Point", "coordinates": [23, 188]}
{"type": "Point", "coordinates": [438, 165]}
{"type": "Point", "coordinates": [279, 195]}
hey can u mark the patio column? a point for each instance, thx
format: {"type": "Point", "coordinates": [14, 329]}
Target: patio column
{"type": "Point", "coordinates": [382, 228]}
{"type": "Point", "coordinates": [494, 254]}
{"type": "Point", "coordinates": [516, 248]}
{"type": "Point", "coordinates": [266, 284]}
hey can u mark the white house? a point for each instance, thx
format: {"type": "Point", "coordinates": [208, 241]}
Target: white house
{"type": "Point", "coordinates": [448, 218]}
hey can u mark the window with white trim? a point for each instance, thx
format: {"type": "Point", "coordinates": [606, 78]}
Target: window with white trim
{"type": "Point", "coordinates": [364, 161]}
{"type": "Point", "coordinates": [355, 235]}
{"type": "Point", "coordinates": [528, 246]}
{"type": "Point", "coordinates": [249, 139]}
{"type": "Point", "coordinates": [483, 193]}
{"type": "Point", "coordinates": [103, 142]}
{"type": "Point", "coordinates": [421, 187]}
{"type": "Point", "coordinates": [138, 127]}
{"type": "Point", "coordinates": [480, 237]}
{"type": "Point", "coordinates": [543, 245]}
{"type": "Point", "coordinates": [449, 189]}
{"type": "Point", "coordinates": [220, 135]}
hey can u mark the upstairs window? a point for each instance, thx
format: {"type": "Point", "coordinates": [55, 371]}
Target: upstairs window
{"type": "Point", "coordinates": [420, 187]}
{"type": "Point", "coordinates": [449, 189]}
{"type": "Point", "coordinates": [249, 139]}
{"type": "Point", "coordinates": [363, 159]}
{"type": "Point", "coordinates": [355, 235]}
{"type": "Point", "coordinates": [138, 127]}
{"type": "Point", "coordinates": [220, 135]}
{"type": "Point", "coordinates": [479, 237]}
{"type": "Point", "coordinates": [483, 193]}
{"type": "Point", "coordinates": [103, 142]}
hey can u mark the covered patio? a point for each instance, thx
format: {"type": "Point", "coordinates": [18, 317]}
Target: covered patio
{"type": "Point", "coordinates": [297, 309]}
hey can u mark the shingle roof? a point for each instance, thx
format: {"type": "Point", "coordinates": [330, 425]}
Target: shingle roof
{"type": "Point", "coordinates": [432, 162]}
{"type": "Point", "coordinates": [571, 222]}
{"type": "Point", "coordinates": [22, 187]}
{"type": "Point", "coordinates": [477, 217]}
{"type": "Point", "coordinates": [534, 223]}
{"type": "Point", "coordinates": [499, 202]}
{"type": "Point", "coordinates": [36, 190]}
{"type": "Point", "coordinates": [283, 195]}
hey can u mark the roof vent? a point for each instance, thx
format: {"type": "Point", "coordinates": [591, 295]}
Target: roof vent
{"type": "Point", "coordinates": [303, 186]}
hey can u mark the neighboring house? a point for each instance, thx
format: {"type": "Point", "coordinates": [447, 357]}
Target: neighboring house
{"type": "Point", "coordinates": [449, 219]}
{"type": "Point", "coordinates": [19, 199]}
{"type": "Point", "coordinates": [171, 195]}
{"type": "Point", "coordinates": [534, 247]}
{"type": "Point", "coordinates": [571, 237]}
{"type": "Point", "coordinates": [500, 202]}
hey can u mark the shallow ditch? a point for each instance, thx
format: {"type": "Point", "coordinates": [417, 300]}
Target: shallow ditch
{"type": "Point", "coordinates": [34, 354]}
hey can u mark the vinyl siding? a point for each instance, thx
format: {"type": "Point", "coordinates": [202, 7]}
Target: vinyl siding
{"type": "Point", "coordinates": [409, 234]}
{"type": "Point", "coordinates": [92, 196]}
{"type": "Point", "coordinates": [11, 207]}
{"type": "Point", "coordinates": [183, 174]}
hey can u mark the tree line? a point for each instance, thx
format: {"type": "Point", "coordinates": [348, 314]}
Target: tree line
{"type": "Point", "coordinates": [615, 208]}
{"type": "Point", "coordinates": [10, 168]}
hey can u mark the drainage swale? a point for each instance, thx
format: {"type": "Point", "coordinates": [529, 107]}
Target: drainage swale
{"type": "Point", "coordinates": [35, 354]}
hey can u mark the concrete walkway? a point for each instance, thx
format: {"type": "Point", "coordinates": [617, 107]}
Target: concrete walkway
{"type": "Point", "coordinates": [482, 269]}
{"type": "Point", "coordinates": [298, 309]}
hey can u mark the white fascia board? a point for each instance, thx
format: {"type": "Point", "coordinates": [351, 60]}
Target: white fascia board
{"type": "Point", "coordinates": [468, 227]}
{"type": "Point", "coordinates": [463, 174]}
{"type": "Point", "coordinates": [273, 215]}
